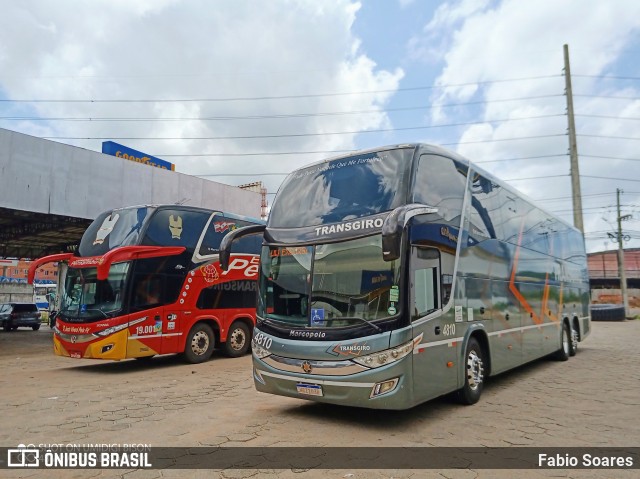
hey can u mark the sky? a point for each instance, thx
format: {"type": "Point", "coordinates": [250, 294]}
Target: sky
{"type": "Point", "coordinates": [238, 91]}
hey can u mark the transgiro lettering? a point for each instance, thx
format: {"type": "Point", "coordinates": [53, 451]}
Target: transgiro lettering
{"type": "Point", "coordinates": [350, 226]}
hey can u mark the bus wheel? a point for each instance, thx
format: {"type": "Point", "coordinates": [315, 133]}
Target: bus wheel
{"type": "Point", "coordinates": [474, 373]}
{"type": "Point", "coordinates": [575, 337]}
{"type": "Point", "coordinates": [199, 344]}
{"type": "Point", "coordinates": [237, 340]}
{"type": "Point", "coordinates": [35, 328]}
{"type": "Point", "coordinates": [564, 352]}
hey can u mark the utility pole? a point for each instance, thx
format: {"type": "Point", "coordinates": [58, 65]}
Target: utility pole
{"type": "Point", "coordinates": [621, 272]}
{"type": "Point", "coordinates": [573, 147]}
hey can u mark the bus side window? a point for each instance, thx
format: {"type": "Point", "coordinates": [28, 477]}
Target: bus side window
{"type": "Point", "coordinates": [147, 291]}
{"type": "Point", "coordinates": [425, 281]}
{"type": "Point", "coordinates": [425, 286]}
{"type": "Point", "coordinates": [447, 283]}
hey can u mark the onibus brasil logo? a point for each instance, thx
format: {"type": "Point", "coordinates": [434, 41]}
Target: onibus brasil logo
{"type": "Point", "coordinates": [79, 456]}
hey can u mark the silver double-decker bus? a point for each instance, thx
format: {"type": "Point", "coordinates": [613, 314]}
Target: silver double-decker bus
{"type": "Point", "coordinates": [391, 276]}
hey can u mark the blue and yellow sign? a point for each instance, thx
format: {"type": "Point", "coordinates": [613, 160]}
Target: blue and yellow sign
{"type": "Point", "coordinates": [115, 149]}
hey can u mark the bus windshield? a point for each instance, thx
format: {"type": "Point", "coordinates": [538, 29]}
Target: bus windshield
{"type": "Point", "coordinates": [328, 286]}
{"type": "Point", "coordinates": [343, 189]}
{"type": "Point", "coordinates": [85, 299]}
{"type": "Point", "coordinates": [119, 227]}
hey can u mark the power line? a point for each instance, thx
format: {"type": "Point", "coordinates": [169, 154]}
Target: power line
{"type": "Point", "coordinates": [522, 158]}
{"type": "Point", "coordinates": [610, 158]}
{"type": "Point", "coordinates": [313, 95]}
{"type": "Point", "coordinates": [586, 209]}
{"type": "Point", "coordinates": [262, 153]}
{"type": "Point", "coordinates": [605, 77]}
{"type": "Point", "coordinates": [607, 117]}
{"type": "Point", "coordinates": [569, 197]}
{"type": "Point", "coordinates": [608, 137]}
{"type": "Point", "coordinates": [503, 139]}
{"type": "Point", "coordinates": [611, 97]}
{"type": "Point", "coordinates": [284, 174]}
{"type": "Point", "coordinates": [608, 178]}
{"type": "Point", "coordinates": [278, 116]}
{"type": "Point", "coordinates": [450, 125]}
{"type": "Point", "coordinates": [535, 178]}
{"type": "Point", "coordinates": [291, 135]}
{"type": "Point", "coordinates": [280, 153]}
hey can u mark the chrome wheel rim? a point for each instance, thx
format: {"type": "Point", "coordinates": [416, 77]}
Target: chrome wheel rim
{"type": "Point", "coordinates": [565, 340]}
{"type": "Point", "coordinates": [574, 339]}
{"type": "Point", "coordinates": [200, 343]}
{"type": "Point", "coordinates": [237, 339]}
{"type": "Point", "coordinates": [475, 370]}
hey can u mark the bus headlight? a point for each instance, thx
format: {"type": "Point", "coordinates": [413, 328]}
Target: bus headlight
{"type": "Point", "coordinates": [385, 357]}
{"type": "Point", "coordinates": [113, 329]}
{"type": "Point", "coordinates": [258, 351]}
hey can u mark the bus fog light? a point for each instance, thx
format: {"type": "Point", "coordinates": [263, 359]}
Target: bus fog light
{"type": "Point", "coordinates": [384, 387]}
{"type": "Point", "coordinates": [107, 348]}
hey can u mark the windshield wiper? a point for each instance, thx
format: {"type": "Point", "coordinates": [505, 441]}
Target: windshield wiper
{"type": "Point", "coordinates": [373, 325]}
{"type": "Point", "coordinates": [96, 309]}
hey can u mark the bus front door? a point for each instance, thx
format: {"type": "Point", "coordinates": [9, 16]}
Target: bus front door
{"type": "Point", "coordinates": [145, 333]}
{"type": "Point", "coordinates": [433, 371]}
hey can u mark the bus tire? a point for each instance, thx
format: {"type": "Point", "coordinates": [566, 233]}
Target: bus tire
{"type": "Point", "coordinates": [474, 374]}
{"type": "Point", "coordinates": [238, 340]}
{"type": "Point", "coordinates": [35, 328]}
{"type": "Point", "coordinates": [200, 343]}
{"type": "Point", "coordinates": [564, 352]}
{"type": "Point", "coordinates": [575, 338]}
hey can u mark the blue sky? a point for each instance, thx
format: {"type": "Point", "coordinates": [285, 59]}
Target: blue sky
{"type": "Point", "coordinates": [267, 83]}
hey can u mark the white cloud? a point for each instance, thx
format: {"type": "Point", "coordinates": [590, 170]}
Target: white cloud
{"type": "Point", "coordinates": [477, 42]}
{"type": "Point", "coordinates": [194, 50]}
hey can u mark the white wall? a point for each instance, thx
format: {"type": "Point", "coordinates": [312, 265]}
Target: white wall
{"type": "Point", "coordinates": [48, 177]}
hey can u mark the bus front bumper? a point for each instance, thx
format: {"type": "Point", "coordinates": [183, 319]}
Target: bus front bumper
{"type": "Point", "coordinates": [113, 347]}
{"type": "Point", "coordinates": [380, 388]}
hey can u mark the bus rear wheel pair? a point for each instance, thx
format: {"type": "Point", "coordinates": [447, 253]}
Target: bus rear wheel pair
{"type": "Point", "coordinates": [201, 342]}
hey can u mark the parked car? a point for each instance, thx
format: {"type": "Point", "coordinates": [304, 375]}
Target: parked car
{"type": "Point", "coordinates": [16, 315]}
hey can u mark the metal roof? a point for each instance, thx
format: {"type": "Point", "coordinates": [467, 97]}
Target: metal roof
{"type": "Point", "coordinates": [25, 234]}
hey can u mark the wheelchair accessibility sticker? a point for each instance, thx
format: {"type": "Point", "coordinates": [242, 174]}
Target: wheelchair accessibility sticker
{"type": "Point", "coordinates": [317, 317]}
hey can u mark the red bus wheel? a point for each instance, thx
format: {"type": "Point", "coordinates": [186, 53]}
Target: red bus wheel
{"type": "Point", "coordinates": [200, 343]}
{"type": "Point", "coordinates": [238, 340]}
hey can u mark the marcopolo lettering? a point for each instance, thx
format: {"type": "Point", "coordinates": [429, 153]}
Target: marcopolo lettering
{"type": "Point", "coordinates": [349, 226]}
{"type": "Point", "coordinates": [306, 334]}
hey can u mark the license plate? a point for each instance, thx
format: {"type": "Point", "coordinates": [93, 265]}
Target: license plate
{"type": "Point", "coordinates": [75, 355]}
{"type": "Point", "coordinates": [309, 389]}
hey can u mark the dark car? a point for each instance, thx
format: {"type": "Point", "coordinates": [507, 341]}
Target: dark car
{"type": "Point", "coordinates": [16, 315]}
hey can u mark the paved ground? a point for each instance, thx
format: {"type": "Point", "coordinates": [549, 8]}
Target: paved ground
{"type": "Point", "coordinates": [591, 400]}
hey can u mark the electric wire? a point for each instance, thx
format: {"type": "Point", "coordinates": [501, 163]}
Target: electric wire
{"type": "Point", "coordinates": [279, 97]}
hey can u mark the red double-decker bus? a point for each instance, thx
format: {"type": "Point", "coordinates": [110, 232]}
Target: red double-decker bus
{"type": "Point", "coordinates": [145, 280]}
